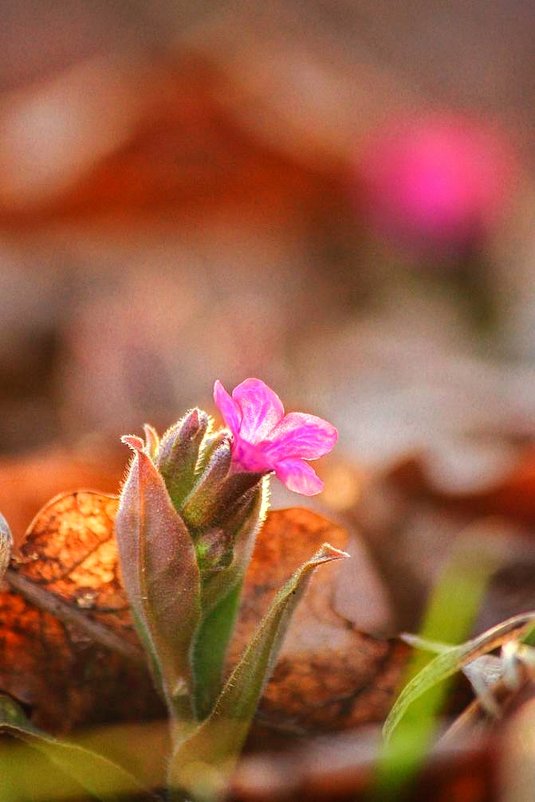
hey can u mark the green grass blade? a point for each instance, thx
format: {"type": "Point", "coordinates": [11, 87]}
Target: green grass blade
{"type": "Point", "coordinates": [451, 612]}
{"type": "Point", "coordinates": [454, 659]}
{"type": "Point", "coordinates": [96, 775]}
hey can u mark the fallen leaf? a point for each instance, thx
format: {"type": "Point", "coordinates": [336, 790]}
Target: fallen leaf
{"type": "Point", "coordinates": [407, 511]}
{"type": "Point", "coordinates": [67, 647]}
{"type": "Point", "coordinates": [329, 675]}
{"type": "Point", "coordinates": [28, 482]}
{"type": "Point", "coordinates": [511, 495]}
{"type": "Point", "coordinates": [341, 767]}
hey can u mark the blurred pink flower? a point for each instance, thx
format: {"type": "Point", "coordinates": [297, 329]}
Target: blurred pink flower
{"type": "Point", "coordinates": [441, 178]}
{"type": "Point", "coordinates": [265, 439]}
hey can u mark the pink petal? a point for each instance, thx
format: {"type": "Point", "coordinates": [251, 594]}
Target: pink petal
{"type": "Point", "coordinates": [228, 408]}
{"type": "Point", "coordinates": [261, 409]}
{"type": "Point", "coordinates": [299, 477]}
{"type": "Point", "coordinates": [301, 435]}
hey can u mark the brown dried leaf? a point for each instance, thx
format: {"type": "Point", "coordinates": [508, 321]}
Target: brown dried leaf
{"type": "Point", "coordinates": [70, 548]}
{"type": "Point", "coordinates": [342, 767]}
{"type": "Point", "coordinates": [28, 482]}
{"type": "Point", "coordinates": [512, 495]}
{"type": "Point", "coordinates": [413, 515]}
{"type": "Point", "coordinates": [60, 602]}
{"type": "Point", "coordinates": [329, 676]}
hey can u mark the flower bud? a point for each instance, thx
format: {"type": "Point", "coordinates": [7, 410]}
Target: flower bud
{"type": "Point", "coordinates": [205, 498]}
{"type": "Point", "coordinates": [238, 529]}
{"type": "Point", "coordinates": [233, 493]}
{"type": "Point", "coordinates": [178, 454]}
{"type": "Point", "coordinates": [211, 443]}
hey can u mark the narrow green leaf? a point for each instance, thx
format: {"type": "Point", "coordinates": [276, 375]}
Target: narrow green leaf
{"type": "Point", "coordinates": [529, 636]}
{"type": "Point", "coordinates": [452, 660]}
{"type": "Point", "coordinates": [220, 594]}
{"type": "Point", "coordinates": [95, 774]}
{"type": "Point", "coordinates": [160, 574]}
{"type": "Point", "coordinates": [425, 645]}
{"type": "Point", "coordinates": [450, 616]}
{"type": "Point", "coordinates": [202, 763]}
{"type": "Point", "coordinates": [210, 649]}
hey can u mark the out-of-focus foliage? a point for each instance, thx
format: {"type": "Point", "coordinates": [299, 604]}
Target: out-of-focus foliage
{"type": "Point", "coordinates": [189, 190]}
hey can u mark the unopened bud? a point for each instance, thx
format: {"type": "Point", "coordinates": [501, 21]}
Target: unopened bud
{"type": "Point", "coordinates": [211, 443]}
{"type": "Point", "coordinates": [199, 507]}
{"type": "Point", "coordinates": [235, 492]}
{"type": "Point", "coordinates": [245, 512]}
{"type": "Point", "coordinates": [178, 454]}
{"type": "Point", "coordinates": [238, 529]}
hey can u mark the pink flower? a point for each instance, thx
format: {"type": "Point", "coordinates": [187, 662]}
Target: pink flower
{"type": "Point", "coordinates": [265, 439]}
{"type": "Point", "coordinates": [438, 178]}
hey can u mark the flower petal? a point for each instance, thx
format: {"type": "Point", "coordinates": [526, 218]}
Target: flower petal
{"type": "Point", "coordinates": [261, 409]}
{"type": "Point", "coordinates": [299, 476]}
{"type": "Point", "coordinates": [301, 435]}
{"type": "Point", "coordinates": [228, 408]}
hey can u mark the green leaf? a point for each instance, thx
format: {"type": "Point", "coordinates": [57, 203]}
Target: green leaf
{"type": "Point", "coordinates": [161, 576]}
{"type": "Point", "coordinates": [95, 774]}
{"type": "Point", "coordinates": [210, 650]}
{"type": "Point", "coordinates": [449, 617]}
{"type": "Point", "coordinates": [452, 660]}
{"type": "Point", "coordinates": [202, 763]}
{"type": "Point", "coordinates": [220, 595]}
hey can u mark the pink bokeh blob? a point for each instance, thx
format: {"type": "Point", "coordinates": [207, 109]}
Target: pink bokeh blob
{"type": "Point", "coordinates": [436, 179]}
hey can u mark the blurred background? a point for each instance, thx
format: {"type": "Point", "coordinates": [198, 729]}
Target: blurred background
{"type": "Point", "coordinates": [337, 197]}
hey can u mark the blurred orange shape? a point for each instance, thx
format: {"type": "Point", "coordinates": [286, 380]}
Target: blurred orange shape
{"type": "Point", "coordinates": [53, 133]}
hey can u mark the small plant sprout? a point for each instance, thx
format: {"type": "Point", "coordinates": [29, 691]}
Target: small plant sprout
{"type": "Point", "coordinates": [190, 508]}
